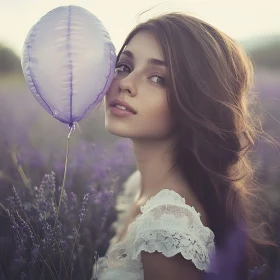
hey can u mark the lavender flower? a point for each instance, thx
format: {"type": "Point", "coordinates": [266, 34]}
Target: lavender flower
{"type": "Point", "coordinates": [227, 260]}
{"type": "Point", "coordinates": [20, 261]}
{"type": "Point", "coordinates": [25, 228]}
{"type": "Point", "coordinates": [35, 254]}
{"type": "Point", "coordinates": [18, 204]}
{"type": "Point", "coordinates": [256, 271]}
{"type": "Point", "coordinates": [47, 250]}
{"type": "Point", "coordinates": [15, 226]}
{"type": "Point", "coordinates": [63, 245]}
{"type": "Point", "coordinates": [72, 199]}
{"type": "Point", "coordinates": [83, 209]}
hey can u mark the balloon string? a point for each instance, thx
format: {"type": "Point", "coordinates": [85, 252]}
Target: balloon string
{"type": "Point", "coordinates": [71, 128]}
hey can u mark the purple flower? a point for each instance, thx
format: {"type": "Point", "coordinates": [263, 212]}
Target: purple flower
{"type": "Point", "coordinates": [20, 261]}
{"type": "Point", "coordinates": [63, 245]}
{"type": "Point", "coordinates": [15, 225]}
{"type": "Point", "coordinates": [40, 206]}
{"type": "Point", "coordinates": [83, 209]}
{"type": "Point", "coordinates": [18, 204]}
{"type": "Point", "coordinates": [227, 260]}
{"type": "Point", "coordinates": [35, 254]}
{"type": "Point", "coordinates": [25, 227]}
{"type": "Point", "coordinates": [72, 201]}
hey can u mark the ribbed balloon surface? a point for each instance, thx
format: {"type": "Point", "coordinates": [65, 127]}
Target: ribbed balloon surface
{"type": "Point", "coordinates": [68, 62]}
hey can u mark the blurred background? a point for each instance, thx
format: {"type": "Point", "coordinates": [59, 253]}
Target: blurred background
{"type": "Point", "coordinates": [33, 143]}
{"type": "Point", "coordinates": [23, 122]}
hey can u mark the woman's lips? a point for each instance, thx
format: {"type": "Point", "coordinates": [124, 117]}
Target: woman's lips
{"type": "Point", "coordinates": [120, 113]}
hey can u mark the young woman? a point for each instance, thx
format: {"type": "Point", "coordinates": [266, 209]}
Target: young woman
{"type": "Point", "coordinates": [181, 94]}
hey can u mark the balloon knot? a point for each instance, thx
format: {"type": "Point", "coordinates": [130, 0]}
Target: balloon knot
{"type": "Point", "coordinates": [71, 128]}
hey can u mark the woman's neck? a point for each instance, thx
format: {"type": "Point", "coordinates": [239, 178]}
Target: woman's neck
{"type": "Point", "coordinates": [155, 163]}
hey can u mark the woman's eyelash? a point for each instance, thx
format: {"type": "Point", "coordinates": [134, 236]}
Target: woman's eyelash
{"type": "Point", "coordinates": [162, 81]}
{"type": "Point", "coordinates": [117, 69]}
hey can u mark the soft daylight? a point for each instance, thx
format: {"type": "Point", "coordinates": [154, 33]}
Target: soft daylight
{"type": "Point", "coordinates": [139, 140]}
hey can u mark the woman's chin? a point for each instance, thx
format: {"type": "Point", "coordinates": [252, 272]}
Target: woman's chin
{"type": "Point", "coordinates": [118, 132]}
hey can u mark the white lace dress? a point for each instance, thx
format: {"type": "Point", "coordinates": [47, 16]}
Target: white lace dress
{"type": "Point", "coordinates": [167, 225]}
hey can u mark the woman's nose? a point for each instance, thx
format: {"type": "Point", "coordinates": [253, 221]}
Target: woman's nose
{"type": "Point", "coordinates": [127, 84]}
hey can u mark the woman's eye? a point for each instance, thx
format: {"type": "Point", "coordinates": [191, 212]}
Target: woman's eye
{"type": "Point", "coordinates": [158, 79]}
{"type": "Point", "coordinates": [122, 68]}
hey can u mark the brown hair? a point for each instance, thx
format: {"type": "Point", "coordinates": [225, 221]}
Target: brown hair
{"type": "Point", "coordinates": [209, 94]}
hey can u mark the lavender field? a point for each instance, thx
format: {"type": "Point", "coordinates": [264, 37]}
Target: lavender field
{"type": "Point", "coordinates": [33, 244]}
{"type": "Point", "coordinates": [33, 148]}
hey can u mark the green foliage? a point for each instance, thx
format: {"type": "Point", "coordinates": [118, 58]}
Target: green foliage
{"type": "Point", "coordinates": [268, 57]}
{"type": "Point", "coordinates": [9, 61]}
{"type": "Point", "coordinates": [265, 51]}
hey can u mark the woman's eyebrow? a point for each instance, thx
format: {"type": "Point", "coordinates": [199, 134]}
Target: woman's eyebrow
{"type": "Point", "coordinates": [153, 61]}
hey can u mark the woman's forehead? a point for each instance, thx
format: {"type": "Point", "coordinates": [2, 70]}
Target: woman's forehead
{"type": "Point", "coordinates": [145, 45]}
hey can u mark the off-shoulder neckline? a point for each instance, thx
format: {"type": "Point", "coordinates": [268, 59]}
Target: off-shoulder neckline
{"type": "Point", "coordinates": [175, 196]}
{"type": "Point", "coordinates": [160, 194]}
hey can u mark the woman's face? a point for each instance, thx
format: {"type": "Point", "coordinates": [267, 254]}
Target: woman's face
{"type": "Point", "coordinates": [140, 82]}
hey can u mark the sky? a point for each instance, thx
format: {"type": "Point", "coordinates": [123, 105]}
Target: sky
{"type": "Point", "coordinates": [241, 19]}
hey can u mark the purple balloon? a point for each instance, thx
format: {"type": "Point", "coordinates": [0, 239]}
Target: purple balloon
{"type": "Point", "coordinates": [68, 62]}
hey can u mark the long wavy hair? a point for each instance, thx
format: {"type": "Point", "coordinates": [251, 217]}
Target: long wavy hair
{"type": "Point", "coordinates": [210, 98]}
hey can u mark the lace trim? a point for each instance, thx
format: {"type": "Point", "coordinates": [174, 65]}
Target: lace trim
{"type": "Point", "coordinates": [169, 227]}
{"type": "Point", "coordinates": [165, 194]}
{"type": "Point", "coordinates": [171, 244]}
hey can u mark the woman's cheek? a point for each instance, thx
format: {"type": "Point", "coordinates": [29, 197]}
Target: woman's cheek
{"type": "Point", "coordinates": [159, 107]}
{"type": "Point", "coordinates": [113, 88]}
